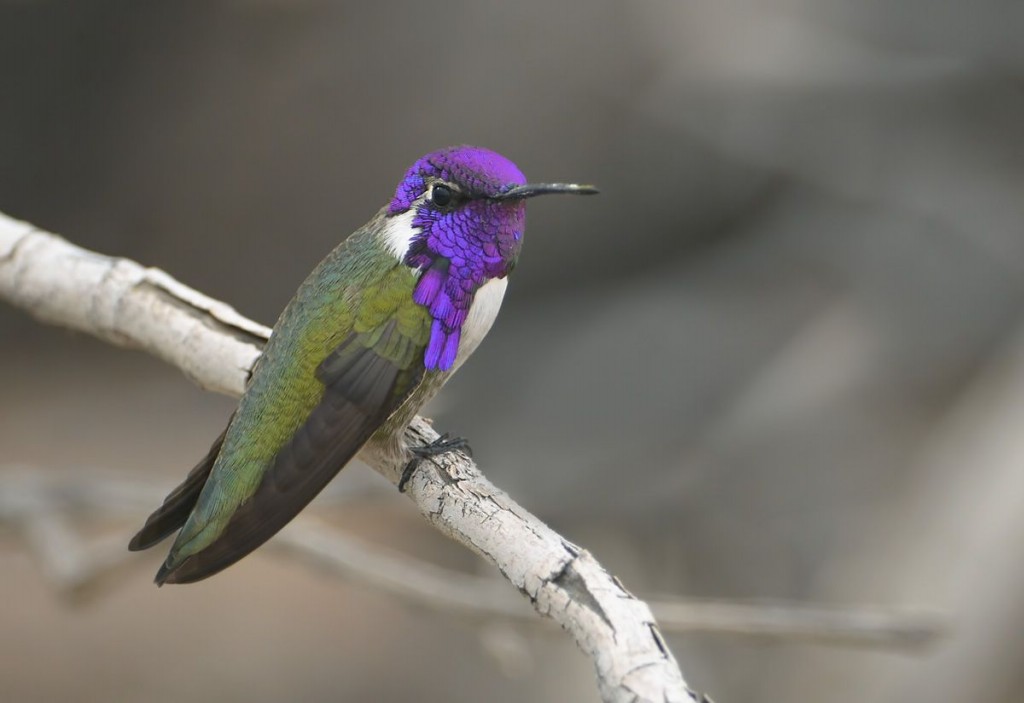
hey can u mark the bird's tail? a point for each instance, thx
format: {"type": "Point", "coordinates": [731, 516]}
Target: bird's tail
{"type": "Point", "coordinates": [178, 505]}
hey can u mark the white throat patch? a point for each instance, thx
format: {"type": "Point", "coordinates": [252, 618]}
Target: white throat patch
{"type": "Point", "coordinates": [398, 233]}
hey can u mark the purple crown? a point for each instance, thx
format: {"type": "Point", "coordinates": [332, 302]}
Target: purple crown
{"type": "Point", "coordinates": [479, 171]}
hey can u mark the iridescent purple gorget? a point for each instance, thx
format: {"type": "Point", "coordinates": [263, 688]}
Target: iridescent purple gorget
{"type": "Point", "coordinates": [459, 247]}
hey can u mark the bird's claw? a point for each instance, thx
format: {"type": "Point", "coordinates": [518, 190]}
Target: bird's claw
{"type": "Point", "coordinates": [442, 445]}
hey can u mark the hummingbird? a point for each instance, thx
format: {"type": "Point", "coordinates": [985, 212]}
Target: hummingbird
{"type": "Point", "coordinates": [371, 335]}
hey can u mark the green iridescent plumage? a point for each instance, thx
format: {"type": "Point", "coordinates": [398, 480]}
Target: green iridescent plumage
{"type": "Point", "coordinates": [354, 312]}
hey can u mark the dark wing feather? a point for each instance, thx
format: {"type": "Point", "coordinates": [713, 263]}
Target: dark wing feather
{"type": "Point", "coordinates": [176, 507]}
{"type": "Point", "coordinates": [361, 389]}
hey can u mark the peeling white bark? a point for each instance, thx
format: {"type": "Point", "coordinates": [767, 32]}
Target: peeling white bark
{"type": "Point", "coordinates": [126, 304]}
{"type": "Point", "coordinates": [129, 305]}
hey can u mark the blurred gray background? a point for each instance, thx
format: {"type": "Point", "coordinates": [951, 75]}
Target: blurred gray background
{"type": "Point", "coordinates": [781, 355]}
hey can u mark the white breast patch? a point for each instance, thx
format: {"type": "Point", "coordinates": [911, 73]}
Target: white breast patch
{"type": "Point", "coordinates": [482, 312]}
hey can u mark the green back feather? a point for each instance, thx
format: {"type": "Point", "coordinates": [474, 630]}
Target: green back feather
{"type": "Point", "coordinates": [360, 288]}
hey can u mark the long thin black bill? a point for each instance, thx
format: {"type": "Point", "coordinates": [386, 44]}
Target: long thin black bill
{"type": "Point", "coordinates": [531, 190]}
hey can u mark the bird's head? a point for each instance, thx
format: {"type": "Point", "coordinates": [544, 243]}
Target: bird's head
{"type": "Point", "coordinates": [465, 204]}
{"type": "Point", "coordinates": [458, 217]}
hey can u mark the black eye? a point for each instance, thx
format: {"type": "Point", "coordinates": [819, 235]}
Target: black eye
{"type": "Point", "coordinates": [442, 195]}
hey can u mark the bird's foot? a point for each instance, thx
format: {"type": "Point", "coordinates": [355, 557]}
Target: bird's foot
{"type": "Point", "coordinates": [442, 445]}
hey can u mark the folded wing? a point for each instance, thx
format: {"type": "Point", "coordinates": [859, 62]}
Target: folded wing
{"type": "Point", "coordinates": [364, 381]}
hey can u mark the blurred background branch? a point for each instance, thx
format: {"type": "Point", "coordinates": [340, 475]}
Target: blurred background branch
{"type": "Point", "coordinates": [41, 506]}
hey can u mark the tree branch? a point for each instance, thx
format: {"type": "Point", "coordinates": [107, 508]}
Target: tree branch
{"type": "Point", "coordinates": [129, 305]}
